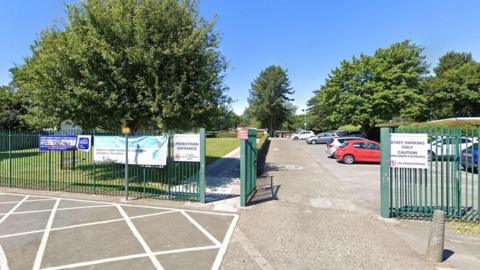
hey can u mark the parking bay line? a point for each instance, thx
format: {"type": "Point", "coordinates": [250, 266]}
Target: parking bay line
{"type": "Point", "coordinates": [128, 257]}
{"type": "Point", "coordinates": [87, 224]}
{"type": "Point", "coordinates": [43, 243]}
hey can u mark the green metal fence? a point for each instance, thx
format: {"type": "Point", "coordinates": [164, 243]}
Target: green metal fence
{"type": "Point", "coordinates": [23, 165]}
{"type": "Point", "coordinates": [248, 166]}
{"type": "Point", "coordinates": [450, 183]}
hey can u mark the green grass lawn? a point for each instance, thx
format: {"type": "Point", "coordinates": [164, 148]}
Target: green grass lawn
{"type": "Point", "coordinates": [219, 147]}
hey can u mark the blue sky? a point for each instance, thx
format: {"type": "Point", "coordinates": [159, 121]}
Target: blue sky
{"type": "Point", "coordinates": [308, 38]}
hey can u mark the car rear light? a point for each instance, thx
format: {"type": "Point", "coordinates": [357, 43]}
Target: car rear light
{"type": "Point", "coordinates": [329, 145]}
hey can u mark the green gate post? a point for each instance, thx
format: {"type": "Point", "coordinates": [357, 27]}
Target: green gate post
{"type": "Point", "coordinates": [201, 178]}
{"type": "Point", "coordinates": [248, 166]}
{"type": "Point", "coordinates": [385, 173]}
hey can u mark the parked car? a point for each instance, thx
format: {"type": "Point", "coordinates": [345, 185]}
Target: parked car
{"type": "Point", "coordinates": [334, 143]}
{"type": "Point", "coordinates": [444, 146]}
{"type": "Point", "coordinates": [323, 137]}
{"type": "Point", "coordinates": [303, 135]}
{"type": "Point", "coordinates": [469, 157]}
{"type": "Point", "coordinates": [352, 134]}
{"type": "Point", "coordinates": [358, 151]}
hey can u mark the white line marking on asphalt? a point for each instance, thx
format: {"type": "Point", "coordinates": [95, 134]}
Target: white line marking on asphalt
{"type": "Point", "coordinates": [128, 257]}
{"type": "Point", "coordinates": [46, 233]}
{"type": "Point", "coordinates": [134, 205]}
{"type": "Point", "coordinates": [3, 260]}
{"type": "Point", "coordinates": [87, 224]}
{"type": "Point", "coordinates": [140, 239]}
{"type": "Point", "coordinates": [205, 232]}
{"type": "Point", "coordinates": [59, 209]}
{"type": "Point", "coordinates": [39, 200]}
{"type": "Point", "coordinates": [13, 209]}
{"type": "Point", "coordinates": [219, 258]}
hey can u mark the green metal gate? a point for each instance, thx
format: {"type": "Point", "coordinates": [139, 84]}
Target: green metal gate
{"type": "Point", "coordinates": [450, 183]}
{"type": "Point", "coordinates": [23, 165]}
{"type": "Point", "coordinates": [248, 166]}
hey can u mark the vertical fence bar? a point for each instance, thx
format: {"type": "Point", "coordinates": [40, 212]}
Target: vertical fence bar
{"type": "Point", "coordinates": [385, 172]}
{"type": "Point", "coordinates": [201, 172]}
{"type": "Point", "coordinates": [10, 164]}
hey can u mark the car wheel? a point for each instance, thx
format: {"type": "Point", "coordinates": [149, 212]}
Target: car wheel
{"type": "Point", "coordinates": [348, 159]}
{"type": "Point", "coordinates": [314, 142]}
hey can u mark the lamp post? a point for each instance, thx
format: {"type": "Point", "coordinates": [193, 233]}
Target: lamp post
{"type": "Point", "coordinates": [305, 118]}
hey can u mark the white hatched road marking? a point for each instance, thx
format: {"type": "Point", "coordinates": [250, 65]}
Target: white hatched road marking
{"type": "Point", "coordinates": [46, 233]}
{"type": "Point", "coordinates": [140, 239]}
{"type": "Point", "coordinates": [226, 241]}
{"type": "Point", "coordinates": [87, 224]}
{"type": "Point", "coordinates": [59, 209]}
{"type": "Point", "coordinates": [128, 257]}
{"type": "Point", "coordinates": [3, 260]}
{"type": "Point", "coordinates": [207, 234]}
{"type": "Point", "coordinates": [13, 209]}
{"type": "Point", "coordinates": [39, 200]}
{"type": "Point", "coordinates": [221, 246]}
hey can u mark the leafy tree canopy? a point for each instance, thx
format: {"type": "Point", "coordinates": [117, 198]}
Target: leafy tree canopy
{"type": "Point", "coordinates": [142, 63]}
{"type": "Point", "coordinates": [270, 96]}
{"type": "Point", "coordinates": [368, 90]}
{"type": "Point", "coordinates": [455, 90]}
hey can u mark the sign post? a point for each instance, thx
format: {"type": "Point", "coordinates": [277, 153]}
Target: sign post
{"type": "Point", "coordinates": [126, 131]}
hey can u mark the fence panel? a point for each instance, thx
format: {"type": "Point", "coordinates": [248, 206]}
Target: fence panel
{"type": "Point", "coordinates": [23, 165]}
{"type": "Point", "coordinates": [450, 183]}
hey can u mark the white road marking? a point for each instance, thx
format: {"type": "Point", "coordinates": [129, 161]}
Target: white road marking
{"type": "Point", "coordinates": [199, 227]}
{"type": "Point", "coordinates": [13, 209]}
{"type": "Point", "coordinates": [221, 246]}
{"type": "Point", "coordinates": [128, 257]}
{"type": "Point", "coordinates": [3, 260]}
{"type": "Point", "coordinates": [86, 224]}
{"type": "Point", "coordinates": [219, 258]}
{"type": "Point", "coordinates": [46, 233]}
{"type": "Point", "coordinates": [39, 200]}
{"type": "Point", "coordinates": [140, 239]}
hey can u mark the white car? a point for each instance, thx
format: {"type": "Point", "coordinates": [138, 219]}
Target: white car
{"type": "Point", "coordinates": [303, 135]}
{"type": "Point", "coordinates": [334, 143]}
{"type": "Point", "coordinates": [445, 146]}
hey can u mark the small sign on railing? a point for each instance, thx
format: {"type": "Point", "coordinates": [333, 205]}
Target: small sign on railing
{"type": "Point", "coordinates": [242, 133]}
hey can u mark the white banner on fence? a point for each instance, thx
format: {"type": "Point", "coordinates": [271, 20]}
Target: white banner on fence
{"type": "Point", "coordinates": [142, 150]}
{"type": "Point", "coordinates": [186, 147]}
{"type": "Point", "coordinates": [409, 150]}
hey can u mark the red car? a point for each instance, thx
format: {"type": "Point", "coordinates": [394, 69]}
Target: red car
{"type": "Point", "coordinates": [358, 151]}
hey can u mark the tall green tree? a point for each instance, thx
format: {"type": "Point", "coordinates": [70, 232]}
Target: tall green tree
{"type": "Point", "coordinates": [270, 96]}
{"type": "Point", "coordinates": [454, 91]}
{"type": "Point", "coordinates": [141, 63]}
{"type": "Point", "coordinates": [13, 106]}
{"type": "Point", "coordinates": [369, 90]}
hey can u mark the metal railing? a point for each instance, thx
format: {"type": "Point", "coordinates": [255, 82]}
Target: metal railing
{"type": "Point", "coordinates": [450, 183]}
{"type": "Point", "coordinates": [23, 165]}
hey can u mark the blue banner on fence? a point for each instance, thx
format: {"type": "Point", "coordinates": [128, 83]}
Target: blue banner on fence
{"type": "Point", "coordinates": [58, 143]}
{"type": "Point", "coordinates": [142, 150]}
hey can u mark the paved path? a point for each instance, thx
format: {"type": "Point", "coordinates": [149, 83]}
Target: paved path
{"type": "Point", "coordinates": [317, 223]}
{"type": "Point", "coordinates": [223, 182]}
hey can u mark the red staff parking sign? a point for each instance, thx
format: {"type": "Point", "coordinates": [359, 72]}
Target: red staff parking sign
{"type": "Point", "coordinates": [242, 133]}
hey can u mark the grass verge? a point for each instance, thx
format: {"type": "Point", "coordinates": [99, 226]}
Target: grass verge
{"type": "Point", "coordinates": [219, 147]}
{"type": "Point", "coordinates": [466, 228]}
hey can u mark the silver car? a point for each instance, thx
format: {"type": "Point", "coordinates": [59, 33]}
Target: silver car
{"type": "Point", "coordinates": [323, 137]}
{"type": "Point", "coordinates": [334, 143]}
